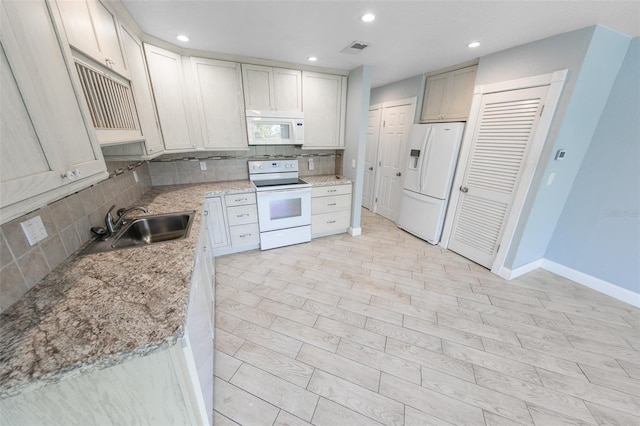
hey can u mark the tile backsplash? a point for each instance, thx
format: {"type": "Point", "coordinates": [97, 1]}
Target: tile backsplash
{"type": "Point", "coordinates": [171, 169]}
{"type": "Point", "coordinates": [68, 222]}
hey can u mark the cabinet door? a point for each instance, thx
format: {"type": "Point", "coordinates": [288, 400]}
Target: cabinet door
{"type": "Point", "coordinates": [434, 94]}
{"type": "Point", "coordinates": [142, 93]}
{"type": "Point", "coordinates": [92, 29]}
{"type": "Point", "coordinates": [258, 87]}
{"type": "Point", "coordinates": [460, 93]}
{"type": "Point", "coordinates": [167, 81]}
{"type": "Point", "coordinates": [220, 104]}
{"type": "Point", "coordinates": [217, 222]}
{"type": "Point", "coordinates": [44, 134]}
{"type": "Point", "coordinates": [287, 86]}
{"type": "Point", "coordinates": [323, 101]}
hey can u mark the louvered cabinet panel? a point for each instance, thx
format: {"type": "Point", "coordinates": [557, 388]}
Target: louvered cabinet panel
{"type": "Point", "coordinates": [501, 142]}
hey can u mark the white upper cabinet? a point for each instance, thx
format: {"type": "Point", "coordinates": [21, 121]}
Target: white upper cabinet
{"type": "Point", "coordinates": [219, 103]}
{"type": "Point", "coordinates": [46, 150]}
{"type": "Point", "coordinates": [272, 89]}
{"type": "Point", "coordinates": [93, 30]}
{"type": "Point", "coordinates": [141, 88]}
{"type": "Point", "coordinates": [169, 90]}
{"type": "Point", "coordinates": [324, 103]}
{"type": "Point", "coordinates": [447, 96]}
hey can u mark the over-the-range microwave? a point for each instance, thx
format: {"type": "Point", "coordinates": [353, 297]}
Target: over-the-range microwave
{"type": "Point", "coordinates": [275, 127]}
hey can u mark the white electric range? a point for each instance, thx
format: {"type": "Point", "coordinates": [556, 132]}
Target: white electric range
{"type": "Point", "coordinates": [284, 203]}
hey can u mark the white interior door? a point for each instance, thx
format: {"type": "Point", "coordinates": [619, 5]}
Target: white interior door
{"type": "Point", "coordinates": [396, 124]}
{"type": "Point", "coordinates": [507, 123]}
{"type": "Point", "coordinates": [371, 153]}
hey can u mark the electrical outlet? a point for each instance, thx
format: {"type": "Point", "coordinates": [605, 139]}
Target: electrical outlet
{"type": "Point", "coordinates": [34, 230]}
{"type": "Point", "coordinates": [203, 165]}
{"type": "Point", "coordinates": [353, 164]}
{"type": "Point", "coordinates": [311, 164]}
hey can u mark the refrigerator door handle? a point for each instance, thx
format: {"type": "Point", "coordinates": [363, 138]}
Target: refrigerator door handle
{"type": "Point", "coordinates": [423, 157]}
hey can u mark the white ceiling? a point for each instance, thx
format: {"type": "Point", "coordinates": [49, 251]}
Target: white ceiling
{"type": "Point", "coordinates": [407, 38]}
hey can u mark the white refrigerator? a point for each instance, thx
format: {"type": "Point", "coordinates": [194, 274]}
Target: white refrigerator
{"type": "Point", "coordinates": [431, 164]}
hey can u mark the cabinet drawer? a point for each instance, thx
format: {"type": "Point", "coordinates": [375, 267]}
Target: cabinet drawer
{"type": "Point", "coordinates": [323, 191]}
{"type": "Point", "coordinates": [244, 235]}
{"type": "Point", "coordinates": [241, 215]}
{"type": "Point", "coordinates": [334, 203]}
{"type": "Point", "coordinates": [328, 223]}
{"type": "Point", "coordinates": [240, 199]}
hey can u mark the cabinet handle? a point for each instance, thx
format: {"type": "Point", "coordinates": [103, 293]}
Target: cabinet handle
{"type": "Point", "coordinates": [243, 214]}
{"type": "Point", "coordinates": [331, 204]}
{"type": "Point", "coordinates": [332, 190]}
{"type": "Point", "coordinates": [237, 200]}
{"type": "Point", "coordinates": [331, 221]}
{"type": "Point", "coordinates": [206, 212]}
{"type": "Point", "coordinates": [244, 235]}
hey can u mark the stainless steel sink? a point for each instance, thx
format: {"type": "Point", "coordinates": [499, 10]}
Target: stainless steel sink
{"type": "Point", "coordinates": [145, 230]}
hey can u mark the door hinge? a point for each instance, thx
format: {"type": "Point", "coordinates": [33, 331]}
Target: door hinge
{"type": "Point", "coordinates": [379, 163]}
{"type": "Point", "coordinates": [541, 109]}
{"type": "Point", "coordinates": [498, 249]}
{"type": "Point", "coordinates": [384, 123]}
{"type": "Point", "coordinates": [376, 200]}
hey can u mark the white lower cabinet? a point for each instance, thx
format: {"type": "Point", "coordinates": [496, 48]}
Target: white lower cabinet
{"type": "Point", "coordinates": [330, 210]}
{"type": "Point", "coordinates": [233, 222]}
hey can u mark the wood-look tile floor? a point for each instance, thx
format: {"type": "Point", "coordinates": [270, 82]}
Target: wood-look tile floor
{"type": "Point", "coordinates": [384, 328]}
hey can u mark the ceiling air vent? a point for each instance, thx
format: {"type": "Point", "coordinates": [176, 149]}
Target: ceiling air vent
{"type": "Point", "coordinates": [356, 47]}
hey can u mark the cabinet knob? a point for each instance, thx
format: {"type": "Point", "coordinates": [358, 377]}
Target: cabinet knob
{"type": "Point", "coordinates": [371, 168]}
{"type": "Point", "coordinates": [464, 189]}
{"type": "Point", "coordinates": [398, 174]}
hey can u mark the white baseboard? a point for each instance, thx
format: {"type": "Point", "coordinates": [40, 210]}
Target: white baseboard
{"type": "Point", "coordinates": [594, 283]}
{"type": "Point", "coordinates": [509, 274]}
{"type": "Point", "coordinates": [354, 232]}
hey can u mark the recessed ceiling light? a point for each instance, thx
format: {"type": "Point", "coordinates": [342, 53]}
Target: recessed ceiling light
{"type": "Point", "coordinates": [312, 58]}
{"type": "Point", "coordinates": [473, 44]}
{"type": "Point", "coordinates": [368, 17]}
{"type": "Point", "coordinates": [182, 37]}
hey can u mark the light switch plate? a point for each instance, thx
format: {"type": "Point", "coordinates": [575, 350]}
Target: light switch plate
{"type": "Point", "coordinates": [203, 165]}
{"type": "Point", "coordinates": [34, 230]}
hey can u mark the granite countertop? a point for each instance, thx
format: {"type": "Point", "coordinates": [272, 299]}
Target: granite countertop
{"type": "Point", "coordinates": [326, 180]}
{"type": "Point", "coordinates": [99, 310]}
{"type": "Point", "coordinates": [96, 311]}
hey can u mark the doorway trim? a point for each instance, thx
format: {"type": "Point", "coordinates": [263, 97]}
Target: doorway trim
{"type": "Point", "coordinates": [555, 81]}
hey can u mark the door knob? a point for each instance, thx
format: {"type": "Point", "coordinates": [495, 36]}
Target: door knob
{"type": "Point", "coordinates": [398, 174]}
{"type": "Point", "coordinates": [371, 168]}
{"type": "Point", "coordinates": [464, 189]}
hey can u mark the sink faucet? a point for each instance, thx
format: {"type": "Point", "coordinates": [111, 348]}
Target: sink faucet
{"type": "Point", "coordinates": [112, 226]}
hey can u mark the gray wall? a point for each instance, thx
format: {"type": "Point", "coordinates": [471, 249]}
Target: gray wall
{"type": "Point", "coordinates": [593, 57]}
{"type": "Point", "coordinates": [358, 90]}
{"type": "Point", "coordinates": [598, 232]}
{"type": "Point", "coordinates": [407, 88]}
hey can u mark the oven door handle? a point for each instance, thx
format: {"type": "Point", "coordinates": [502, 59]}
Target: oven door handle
{"type": "Point", "coordinates": [285, 191]}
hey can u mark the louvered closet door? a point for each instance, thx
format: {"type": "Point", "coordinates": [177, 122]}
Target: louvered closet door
{"type": "Point", "coordinates": [500, 145]}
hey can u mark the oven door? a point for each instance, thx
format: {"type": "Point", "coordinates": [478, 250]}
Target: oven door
{"type": "Point", "coordinates": [282, 209]}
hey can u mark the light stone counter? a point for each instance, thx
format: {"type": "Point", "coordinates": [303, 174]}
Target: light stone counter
{"type": "Point", "coordinates": [326, 180]}
{"type": "Point", "coordinates": [100, 310]}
